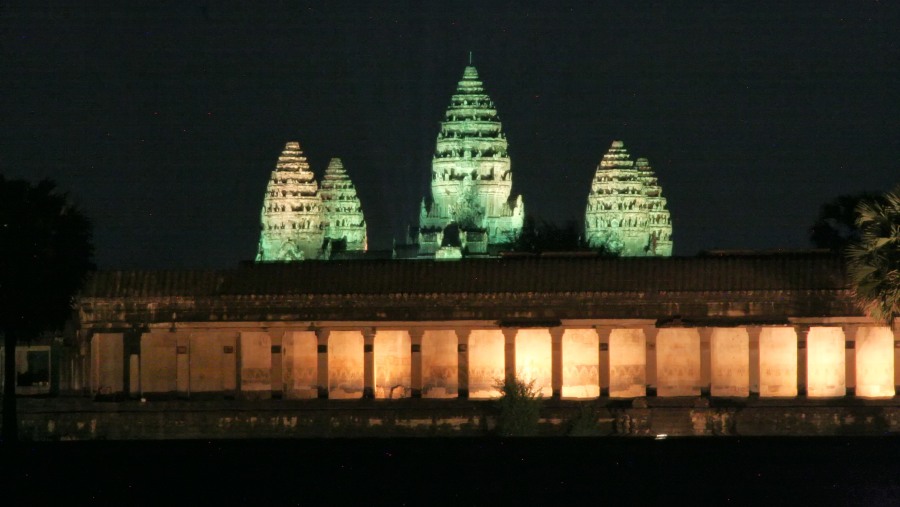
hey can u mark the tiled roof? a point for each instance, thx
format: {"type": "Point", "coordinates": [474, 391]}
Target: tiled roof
{"type": "Point", "coordinates": [798, 271]}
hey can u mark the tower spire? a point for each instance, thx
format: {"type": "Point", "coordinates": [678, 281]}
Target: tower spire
{"type": "Point", "coordinates": [470, 58]}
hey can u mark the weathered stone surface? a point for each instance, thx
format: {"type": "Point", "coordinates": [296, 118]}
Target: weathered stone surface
{"type": "Point", "coordinates": [471, 205]}
{"type": "Point", "coordinates": [345, 225]}
{"type": "Point", "coordinates": [291, 217]}
{"type": "Point", "coordinates": [626, 212]}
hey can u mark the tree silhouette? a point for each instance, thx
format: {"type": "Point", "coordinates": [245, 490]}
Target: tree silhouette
{"type": "Point", "coordinates": [835, 227]}
{"type": "Point", "coordinates": [873, 262]}
{"type": "Point", "coordinates": [45, 257]}
{"type": "Point", "coordinates": [539, 236]}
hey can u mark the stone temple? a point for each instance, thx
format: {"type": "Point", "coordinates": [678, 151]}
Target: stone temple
{"type": "Point", "coordinates": [299, 221]}
{"type": "Point", "coordinates": [472, 210]}
{"type": "Point", "coordinates": [626, 212]}
{"type": "Point", "coordinates": [345, 225]}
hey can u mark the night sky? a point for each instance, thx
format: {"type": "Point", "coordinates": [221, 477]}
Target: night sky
{"type": "Point", "coordinates": [163, 120]}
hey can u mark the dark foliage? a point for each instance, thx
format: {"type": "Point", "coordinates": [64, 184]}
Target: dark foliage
{"type": "Point", "coordinates": [835, 227]}
{"type": "Point", "coordinates": [519, 408]}
{"type": "Point", "coordinates": [539, 236]}
{"type": "Point", "coordinates": [873, 261]}
{"type": "Point", "coordinates": [45, 255]}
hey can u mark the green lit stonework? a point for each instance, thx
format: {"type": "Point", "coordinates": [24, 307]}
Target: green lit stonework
{"type": "Point", "coordinates": [301, 222]}
{"type": "Point", "coordinates": [344, 220]}
{"type": "Point", "coordinates": [626, 212]}
{"type": "Point", "coordinates": [471, 179]}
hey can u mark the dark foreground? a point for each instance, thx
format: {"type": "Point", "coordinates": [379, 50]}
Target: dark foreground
{"type": "Point", "coordinates": [605, 471]}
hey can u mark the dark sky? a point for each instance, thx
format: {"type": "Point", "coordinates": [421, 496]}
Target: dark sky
{"type": "Point", "coordinates": [164, 119]}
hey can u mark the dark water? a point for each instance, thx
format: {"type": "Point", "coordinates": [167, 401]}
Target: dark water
{"type": "Point", "coordinates": [604, 471]}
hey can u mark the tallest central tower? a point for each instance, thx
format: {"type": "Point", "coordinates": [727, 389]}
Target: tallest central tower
{"type": "Point", "coordinates": [472, 207]}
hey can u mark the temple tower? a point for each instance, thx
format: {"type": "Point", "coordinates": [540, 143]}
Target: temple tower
{"type": "Point", "coordinates": [345, 225]}
{"type": "Point", "coordinates": [626, 212]}
{"type": "Point", "coordinates": [291, 217]}
{"type": "Point", "coordinates": [471, 205]}
{"type": "Point", "coordinates": [659, 222]}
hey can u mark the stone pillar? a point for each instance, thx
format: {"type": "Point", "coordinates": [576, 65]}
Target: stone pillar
{"type": "Point", "coordinates": [229, 364]}
{"type": "Point", "coordinates": [753, 332]}
{"type": "Point", "coordinates": [850, 359]}
{"type": "Point", "coordinates": [802, 334]}
{"type": "Point", "coordinates": [509, 351]}
{"type": "Point", "coordinates": [132, 349]}
{"type": "Point", "coordinates": [322, 364]}
{"type": "Point", "coordinates": [368, 363]}
{"type": "Point", "coordinates": [896, 329]}
{"type": "Point", "coordinates": [134, 375]}
{"type": "Point", "coordinates": [415, 341]}
{"type": "Point", "coordinates": [462, 347]}
{"type": "Point", "coordinates": [603, 333]}
{"type": "Point", "coordinates": [277, 340]}
{"type": "Point", "coordinates": [650, 333]}
{"type": "Point", "coordinates": [183, 365]}
{"type": "Point", "coordinates": [556, 360]}
{"type": "Point", "coordinates": [705, 360]}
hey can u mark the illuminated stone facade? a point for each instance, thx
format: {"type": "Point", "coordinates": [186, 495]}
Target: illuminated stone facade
{"type": "Point", "coordinates": [732, 326]}
{"type": "Point", "coordinates": [300, 221]}
{"type": "Point", "coordinates": [471, 206]}
{"type": "Point", "coordinates": [345, 224]}
{"type": "Point", "coordinates": [292, 224]}
{"type": "Point", "coordinates": [626, 212]}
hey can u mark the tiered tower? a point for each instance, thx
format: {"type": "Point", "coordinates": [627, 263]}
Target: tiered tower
{"type": "Point", "coordinates": [345, 225]}
{"type": "Point", "coordinates": [471, 180]}
{"type": "Point", "coordinates": [659, 221]}
{"type": "Point", "coordinates": [626, 212]}
{"type": "Point", "coordinates": [291, 217]}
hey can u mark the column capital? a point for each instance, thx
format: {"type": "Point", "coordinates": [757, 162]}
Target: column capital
{"type": "Point", "coordinates": [850, 331]}
{"type": "Point", "coordinates": [322, 334]}
{"type": "Point", "coordinates": [509, 332]}
{"type": "Point", "coordinates": [604, 332]}
{"type": "Point", "coordinates": [650, 332]}
{"type": "Point", "coordinates": [753, 332]}
{"type": "Point", "coordinates": [557, 332]}
{"type": "Point", "coordinates": [802, 331]}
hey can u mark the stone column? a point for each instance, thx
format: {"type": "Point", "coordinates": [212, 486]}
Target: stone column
{"type": "Point", "coordinates": [132, 349]}
{"type": "Point", "coordinates": [850, 359]}
{"type": "Point", "coordinates": [802, 331]}
{"type": "Point", "coordinates": [603, 333]}
{"type": "Point", "coordinates": [556, 360]}
{"type": "Point", "coordinates": [462, 377]}
{"type": "Point", "coordinates": [322, 364]}
{"type": "Point", "coordinates": [896, 330]}
{"type": "Point", "coordinates": [509, 351]}
{"type": "Point", "coordinates": [650, 333]}
{"type": "Point", "coordinates": [753, 332]}
{"type": "Point", "coordinates": [705, 360]}
{"type": "Point", "coordinates": [368, 363]}
{"type": "Point", "coordinates": [277, 338]}
{"type": "Point", "coordinates": [183, 365]}
{"type": "Point", "coordinates": [415, 341]}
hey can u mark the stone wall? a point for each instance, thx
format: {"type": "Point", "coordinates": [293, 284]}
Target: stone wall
{"type": "Point", "coordinates": [55, 419]}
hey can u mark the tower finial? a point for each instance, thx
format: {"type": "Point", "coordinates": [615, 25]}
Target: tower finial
{"type": "Point", "coordinates": [470, 58]}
